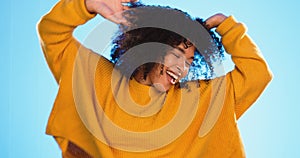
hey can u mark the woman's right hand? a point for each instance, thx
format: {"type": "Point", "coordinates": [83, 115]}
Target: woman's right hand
{"type": "Point", "coordinates": [109, 9]}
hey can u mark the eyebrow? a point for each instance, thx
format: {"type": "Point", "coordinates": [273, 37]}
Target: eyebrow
{"type": "Point", "coordinates": [180, 49]}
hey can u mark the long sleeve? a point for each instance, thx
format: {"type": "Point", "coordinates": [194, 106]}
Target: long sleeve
{"type": "Point", "coordinates": [251, 73]}
{"type": "Point", "coordinates": [55, 30]}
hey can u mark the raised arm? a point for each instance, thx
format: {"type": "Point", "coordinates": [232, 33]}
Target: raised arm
{"type": "Point", "coordinates": [251, 73]}
{"type": "Point", "coordinates": [55, 30]}
{"type": "Point", "coordinates": [56, 27]}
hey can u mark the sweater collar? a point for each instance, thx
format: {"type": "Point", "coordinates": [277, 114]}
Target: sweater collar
{"type": "Point", "coordinates": [143, 94]}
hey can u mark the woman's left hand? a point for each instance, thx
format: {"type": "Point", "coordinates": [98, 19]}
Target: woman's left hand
{"type": "Point", "coordinates": [215, 20]}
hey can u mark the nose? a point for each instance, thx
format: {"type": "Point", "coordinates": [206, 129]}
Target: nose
{"type": "Point", "coordinates": [182, 68]}
{"type": "Point", "coordinates": [182, 64]}
{"type": "Point", "coordinates": [179, 70]}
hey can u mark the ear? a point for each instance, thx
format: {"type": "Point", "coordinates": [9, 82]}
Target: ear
{"type": "Point", "coordinates": [187, 44]}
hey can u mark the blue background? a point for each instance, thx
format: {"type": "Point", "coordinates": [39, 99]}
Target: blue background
{"type": "Point", "coordinates": [270, 127]}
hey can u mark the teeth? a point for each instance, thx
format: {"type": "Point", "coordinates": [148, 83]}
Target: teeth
{"type": "Point", "coordinates": [175, 77]}
{"type": "Point", "coordinates": [173, 81]}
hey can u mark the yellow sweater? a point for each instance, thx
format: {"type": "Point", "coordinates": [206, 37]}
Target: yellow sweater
{"type": "Point", "coordinates": [106, 115]}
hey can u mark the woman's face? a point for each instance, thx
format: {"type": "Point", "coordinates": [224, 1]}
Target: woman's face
{"type": "Point", "coordinates": [176, 66]}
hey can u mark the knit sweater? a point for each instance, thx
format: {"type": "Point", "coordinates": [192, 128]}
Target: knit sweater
{"type": "Point", "coordinates": [107, 115]}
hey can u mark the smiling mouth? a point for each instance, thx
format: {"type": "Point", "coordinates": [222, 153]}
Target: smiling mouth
{"type": "Point", "coordinates": [173, 77]}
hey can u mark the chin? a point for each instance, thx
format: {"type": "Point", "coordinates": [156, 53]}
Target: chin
{"type": "Point", "coordinates": [161, 88]}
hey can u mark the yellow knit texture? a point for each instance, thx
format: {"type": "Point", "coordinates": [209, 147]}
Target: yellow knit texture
{"type": "Point", "coordinates": [212, 131]}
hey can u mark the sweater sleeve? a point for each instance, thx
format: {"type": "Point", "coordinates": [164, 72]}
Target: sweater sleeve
{"type": "Point", "coordinates": [251, 73]}
{"type": "Point", "coordinates": [56, 32]}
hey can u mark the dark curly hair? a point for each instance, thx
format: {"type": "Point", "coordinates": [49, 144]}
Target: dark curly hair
{"type": "Point", "coordinates": [169, 27]}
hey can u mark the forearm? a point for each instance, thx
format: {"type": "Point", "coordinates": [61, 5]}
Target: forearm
{"type": "Point", "coordinates": [251, 73]}
{"type": "Point", "coordinates": [64, 17]}
{"type": "Point", "coordinates": [55, 30]}
{"type": "Point", "coordinates": [238, 44]}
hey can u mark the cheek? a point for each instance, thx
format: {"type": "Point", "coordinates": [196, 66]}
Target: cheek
{"type": "Point", "coordinates": [155, 74]}
{"type": "Point", "coordinates": [169, 61]}
{"type": "Point", "coordinates": [185, 73]}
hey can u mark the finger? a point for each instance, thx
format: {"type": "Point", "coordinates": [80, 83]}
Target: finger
{"type": "Point", "coordinates": [114, 19]}
{"type": "Point", "coordinates": [117, 6]}
{"type": "Point", "coordinates": [126, 1]}
{"type": "Point", "coordinates": [207, 25]}
{"type": "Point", "coordinates": [117, 18]}
{"type": "Point", "coordinates": [126, 7]}
{"type": "Point", "coordinates": [109, 14]}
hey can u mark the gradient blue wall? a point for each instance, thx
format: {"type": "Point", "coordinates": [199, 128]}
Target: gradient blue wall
{"type": "Point", "coordinates": [269, 129]}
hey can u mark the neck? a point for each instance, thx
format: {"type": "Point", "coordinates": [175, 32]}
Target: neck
{"type": "Point", "coordinates": [139, 77]}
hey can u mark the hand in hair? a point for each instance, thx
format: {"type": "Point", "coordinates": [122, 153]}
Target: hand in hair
{"type": "Point", "coordinates": [109, 9]}
{"type": "Point", "coordinates": [215, 20]}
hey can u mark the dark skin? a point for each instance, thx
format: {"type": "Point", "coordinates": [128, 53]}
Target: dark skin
{"type": "Point", "coordinates": [175, 66]}
{"type": "Point", "coordinates": [111, 10]}
{"type": "Point", "coordinates": [159, 77]}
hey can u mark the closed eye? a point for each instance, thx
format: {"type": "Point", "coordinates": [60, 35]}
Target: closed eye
{"type": "Point", "coordinates": [176, 55]}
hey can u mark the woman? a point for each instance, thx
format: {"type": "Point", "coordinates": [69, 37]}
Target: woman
{"type": "Point", "coordinates": [133, 105]}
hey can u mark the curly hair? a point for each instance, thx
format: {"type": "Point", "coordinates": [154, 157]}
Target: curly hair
{"type": "Point", "coordinates": [169, 27]}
